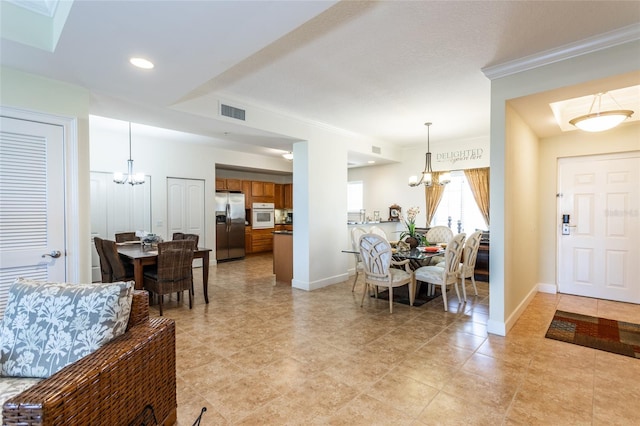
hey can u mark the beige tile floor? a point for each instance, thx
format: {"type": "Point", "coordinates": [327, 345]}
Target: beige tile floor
{"type": "Point", "coordinates": [267, 354]}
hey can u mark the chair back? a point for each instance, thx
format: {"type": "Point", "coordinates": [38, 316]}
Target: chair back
{"type": "Point", "coordinates": [378, 231]}
{"type": "Point", "coordinates": [177, 236]}
{"type": "Point", "coordinates": [118, 271]}
{"type": "Point", "coordinates": [452, 255]}
{"type": "Point", "coordinates": [122, 237]}
{"type": "Point", "coordinates": [105, 266]}
{"type": "Point", "coordinates": [174, 262]}
{"type": "Point", "coordinates": [375, 252]}
{"type": "Point", "coordinates": [183, 236]}
{"type": "Point", "coordinates": [439, 234]}
{"type": "Point", "coordinates": [356, 233]}
{"type": "Point", "coordinates": [470, 253]}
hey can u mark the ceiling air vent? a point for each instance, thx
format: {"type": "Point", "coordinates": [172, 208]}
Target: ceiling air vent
{"type": "Point", "coordinates": [376, 149]}
{"type": "Point", "coordinates": [229, 111]}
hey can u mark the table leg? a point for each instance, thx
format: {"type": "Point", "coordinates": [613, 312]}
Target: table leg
{"type": "Point", "coordinates": [205, 276]}
{"type": "Point", "coordinates": [138, 274]}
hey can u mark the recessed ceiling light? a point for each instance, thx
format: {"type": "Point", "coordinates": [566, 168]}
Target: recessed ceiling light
{"type": "Point", "coordinates": [141, 63]}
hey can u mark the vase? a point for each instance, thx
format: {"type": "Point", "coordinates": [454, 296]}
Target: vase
{"type": "Point", "coordinates": [412, 241]}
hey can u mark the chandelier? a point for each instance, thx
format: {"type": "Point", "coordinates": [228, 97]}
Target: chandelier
{"type": "Point", "coordinates": [601, 120]}
{"type": "Point", "coordinates": [130, 177]}
{"type": "Point", "coordinates": [427, 173]}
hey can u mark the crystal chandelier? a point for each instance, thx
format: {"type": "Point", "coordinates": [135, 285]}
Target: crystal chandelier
{"type": "Point", "coordinates": [130, 177]}
{"type": "Point", "coordinates": [427, 173]}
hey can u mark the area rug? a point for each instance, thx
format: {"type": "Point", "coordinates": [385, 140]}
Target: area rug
{"type": "Point", "coordinates": [604, 334]}
{"type": "Point", "coordinates": [401, 295]}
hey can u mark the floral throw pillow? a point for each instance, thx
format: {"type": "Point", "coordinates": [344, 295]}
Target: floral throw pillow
{"type": "Point", "coordinates": [47, 326]}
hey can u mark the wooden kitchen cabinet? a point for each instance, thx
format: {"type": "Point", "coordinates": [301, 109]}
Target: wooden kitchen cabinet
{"type": "Point", "coordinates": [278, 198]}
{"type": "Point", "coordinates": [287, 195]}
{"type": "Point", "coordinates": [261, 240]}
{"type": "Point", "coordinates": [246, 190]}
{"type": "Point", "coordinates": [223, 184]}
{"type": "Point", "coordinates": [262, 192]}
{"type": "Point", "coordinates": [248, 249]}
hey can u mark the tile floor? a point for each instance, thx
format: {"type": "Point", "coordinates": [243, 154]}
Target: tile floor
{"type": "Point", "coordinates": [267, 354]}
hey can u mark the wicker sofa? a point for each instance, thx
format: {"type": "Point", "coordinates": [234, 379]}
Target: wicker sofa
{"type": "Point", "coordinates": [130, 378]}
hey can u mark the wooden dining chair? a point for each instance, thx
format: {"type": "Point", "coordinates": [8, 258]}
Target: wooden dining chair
{"type": "Point", "coordinates": [376, 255]}
{"type": "Point", "coordinates": [173, 272]}
{"type": "Point", "coordinates": [447, 273]}
{"type": "Point", "coordinates": [119, 270]}
{"type": "Point", "coordinates": [105, 266]}
{"type": "Point", "coordinates": [123, 237]}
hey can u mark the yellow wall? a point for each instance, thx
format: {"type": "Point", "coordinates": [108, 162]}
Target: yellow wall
{"type": "Point", "coordinates": [624, 138]}
{"type": "Point", "coordinates": [29, 92]}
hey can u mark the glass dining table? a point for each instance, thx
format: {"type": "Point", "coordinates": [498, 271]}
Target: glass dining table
{"type": "Point", "coordinates": [417, 256]}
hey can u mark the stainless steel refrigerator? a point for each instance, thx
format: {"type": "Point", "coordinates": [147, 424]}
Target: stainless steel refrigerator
{"type": "Point", "coordinates": [230, 223]}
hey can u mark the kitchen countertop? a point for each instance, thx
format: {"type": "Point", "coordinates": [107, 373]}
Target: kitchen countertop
{"type": "Point", "coordinates": [283, 232]}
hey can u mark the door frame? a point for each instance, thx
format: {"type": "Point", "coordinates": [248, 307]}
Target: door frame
{"type": "Point", "coordinates": [72, 237]}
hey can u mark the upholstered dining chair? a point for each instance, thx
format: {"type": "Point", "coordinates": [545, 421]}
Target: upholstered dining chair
{"type": "Point", "coordinates": [468, 261]}
{"type": "Point", "coordinates": [105, 266]}
{"type": "Point", "coordinates": [119, 271]}
{"type": "Point", "coordinates": [447, 274]}
{"type": "Point", "coordinates": [376, 255]}
{"type": "Point", "coordinates": [378, 231]}
{"type": "Point", "coordinates": [123, 237]}
{"type": "Point", "coordinates": [356, 233]}
{"type": "Point", "coordinates": [173, 272]}
{"type": "Point", "coordinates": [438, 235]}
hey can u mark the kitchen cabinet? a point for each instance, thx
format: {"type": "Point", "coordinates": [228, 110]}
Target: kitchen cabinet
{"type": "Point", "coordinates": [248, 248]}
{"type": "Point", "coordinates": [280, 227]}
{"type": "Point", "coordinates": [262, 192]}
{"type": "Point", "coordinates": [223, 184]}
{"type": "Point", "coordinates": [287, 196]}
{"type": "Point", "coordinates": [261, 240]}
{"type": "Point", "coordinates": [246, 190]}
{"type": "Point", "coordinates": [278, 198]}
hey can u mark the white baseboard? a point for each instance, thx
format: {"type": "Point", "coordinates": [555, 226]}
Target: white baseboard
{"type": "Point", "coordinates": [547, 288]}
{"type": "Point", "coordinates": [309, 286]}
{"type": "Point", "coordinates": [502, 328]}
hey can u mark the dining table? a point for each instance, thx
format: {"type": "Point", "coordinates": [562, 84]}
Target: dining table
{"type": "Point", "coordinates": [140, 255]}
{"type": "Point", "coordinates": [417, 256]}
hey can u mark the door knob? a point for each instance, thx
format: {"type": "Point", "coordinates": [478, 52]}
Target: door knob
{"type": "Point", "coordinates": [55, 254]}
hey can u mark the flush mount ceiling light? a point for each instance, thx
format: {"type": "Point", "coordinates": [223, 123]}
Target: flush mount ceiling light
{"type": "Point", "coordinates": [141, 63]}
{"type": "Point", "coordinates": [130, 177]}
{"type": "Point", "coordinates": [288, 156]}
{"type": "Point", "coordinates": [427, 173]}
{"type": "Point", "coordinates": [601, 120]}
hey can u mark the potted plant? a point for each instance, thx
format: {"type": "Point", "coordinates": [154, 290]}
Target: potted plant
{"type": "Point", "coordinates": [410, 236]}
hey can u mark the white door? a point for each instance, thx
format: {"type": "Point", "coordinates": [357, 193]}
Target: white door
{"type": "Point", "coordinates": [32, 203]}
{"type": "Point", "coordinates": [600, 256]}
{"type": "Point", "coordinates": [185, 209]}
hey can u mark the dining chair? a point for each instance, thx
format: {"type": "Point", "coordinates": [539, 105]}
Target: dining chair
{"type": "Point", "coordinates": [468, 261]}
{"type": "Point", "coordinates": [122, 237]}
{"type": "Point", "coordinates": [173, 272]}
{"type": "Point", "coordinates": [177, 236]}
{"type": "Point", "coordinates": [119, 270]}
{"type": "Point", "coordinates": [446, 274]}
{"type": "Point", "coordinates": [378, 231]}
{"type": "Point", "coordinates": [356, 233]}
{"type": "Point", "coordinates": [183, 236]}
{"type": "Point", "coordinates": [105, 266]}
{"type": "Point", "coordinates": [376, 255]}
{"type": "Point", "coordinates": [438, 235]}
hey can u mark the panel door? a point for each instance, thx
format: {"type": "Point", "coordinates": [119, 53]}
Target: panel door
{"type": "Point", "coordinates": [32, 209]}
{"type": "Point", "coordinates": [600, 256]}
{"type": "Point", "coordinates": [185, 209]}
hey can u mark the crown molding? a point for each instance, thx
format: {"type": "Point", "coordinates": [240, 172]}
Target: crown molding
{"type": "Point", "coordinates": [589, 45]}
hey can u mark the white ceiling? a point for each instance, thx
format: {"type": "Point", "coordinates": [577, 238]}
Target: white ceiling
{"type": "Point", "coordinates": [378, 69]}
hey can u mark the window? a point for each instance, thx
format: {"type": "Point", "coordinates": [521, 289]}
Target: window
{"type": "Point", "coordinates": [355, 197]}
{"type": "Point", "coordinates": [458, 209]}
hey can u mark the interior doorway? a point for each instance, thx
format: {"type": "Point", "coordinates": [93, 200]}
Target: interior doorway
{"type": "Point", "coordinates": [599, 226]}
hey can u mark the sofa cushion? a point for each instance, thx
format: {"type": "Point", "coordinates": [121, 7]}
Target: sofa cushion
{"type": "Point", "coordinates": [12, 386]}
{"type": "Point", "coordinates": [47, 326]}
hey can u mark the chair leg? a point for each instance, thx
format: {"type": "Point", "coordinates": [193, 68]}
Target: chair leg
{"type": "Point", "coordinates": [473, 281]}
{"type": "Point", "coordinates": [444, 296]}
{"type": "Point", "coordinates": [190, 299]}
{"type": "Point", "coordinates": [366, 287]}
{"type": "Point", "coordinates": [390, 300]}
{"type": "Point", "coordinates": [412, 291]}
{"type": "Point", "coordinates": [455, 285]}
{"type": "Point", "coordinates": [160, 297]}
{"type": "Point", "coordinates": [353, 287]}
{"type": "Point", "coordinates": [464, 290]}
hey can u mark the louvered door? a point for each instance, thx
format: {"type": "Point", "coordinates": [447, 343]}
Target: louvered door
{"type": "Point", "coordinates": [32, 224]}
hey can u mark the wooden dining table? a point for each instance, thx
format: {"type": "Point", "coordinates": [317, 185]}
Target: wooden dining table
{"type": "Point", "coordinates": [140, 256]}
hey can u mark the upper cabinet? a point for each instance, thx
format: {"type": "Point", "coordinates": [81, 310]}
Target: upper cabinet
{"type": "Point", "coordinates": [287, 196]}
{"type": "Point", "coordinates": [246, 190]}
{"type": "Point", "coordinates": [228, 184]}
{"type": "Point", "coordinates": [263, 192]}
{"type": "Point", "coordinates": [279, 196]}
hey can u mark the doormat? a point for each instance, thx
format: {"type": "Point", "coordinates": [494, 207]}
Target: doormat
{"type": "Point", "coordinates": [401, 295]}
{"type": "Point", "coordinates": [604, 334]}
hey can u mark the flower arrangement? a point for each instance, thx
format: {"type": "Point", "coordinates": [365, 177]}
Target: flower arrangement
{"type": "Point", "coordinates": [410, 221]}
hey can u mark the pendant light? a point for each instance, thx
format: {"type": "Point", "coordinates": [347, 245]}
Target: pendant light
{"type": "Point", "coordinates": [601, 120]}
{"type": "Point", "coordinates": [130, 177]}
{"type": "Point", "coordinates": [427, 173]}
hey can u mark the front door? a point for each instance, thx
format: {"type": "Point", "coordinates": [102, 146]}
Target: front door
{"type": "Point", "coordinates": [32, 203]}
{"type": "Point", "coordinates": [599, 254]}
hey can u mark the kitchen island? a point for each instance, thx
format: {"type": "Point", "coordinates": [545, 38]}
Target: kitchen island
{"type": "Point", "coordinates": [283, 256]}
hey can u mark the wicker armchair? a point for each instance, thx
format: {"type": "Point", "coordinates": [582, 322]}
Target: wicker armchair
{"type": "Point", "coordinates": [111, 386]}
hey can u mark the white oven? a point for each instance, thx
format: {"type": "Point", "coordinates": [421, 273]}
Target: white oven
{"type": "Point", "coordinates": [262, 215]}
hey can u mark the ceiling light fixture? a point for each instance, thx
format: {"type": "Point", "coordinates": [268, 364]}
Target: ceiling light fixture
{"type": "Point", "coordinates": [601, 120]}
{"type": "Point", "coordinates": [427, 173]}
{"type": "Point", "coordinates": [288, 156]}
{"type": "Point", "coordinates": [130, 177]}
{"type": "Point", "coordinates": [141, 63]}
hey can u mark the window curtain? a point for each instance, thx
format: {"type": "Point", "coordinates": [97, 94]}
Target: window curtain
{"type": "Point", "coordinates": [433, 196]}
{"type": "Point", "coordinates": [479, 183]}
